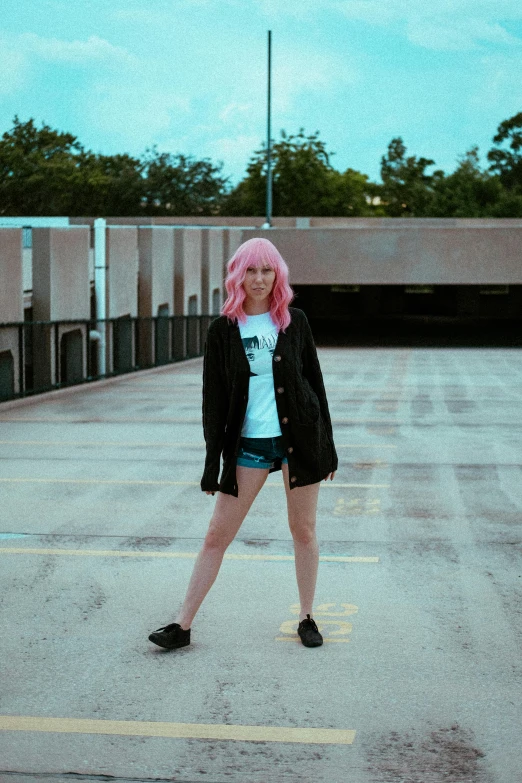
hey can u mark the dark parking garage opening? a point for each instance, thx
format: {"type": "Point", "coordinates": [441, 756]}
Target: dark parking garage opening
{"type": "Point", "coordinates": [413, 315]}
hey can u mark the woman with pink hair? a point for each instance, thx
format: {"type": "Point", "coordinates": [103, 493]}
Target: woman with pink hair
{"type": "Point", "coordinates": [264, 409]}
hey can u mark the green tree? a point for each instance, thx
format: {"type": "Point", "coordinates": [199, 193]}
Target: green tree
{"type": "Point", "coordinates": [407, 188]}
{"type": "Point", "coordinates": [108, 185]}
{"type": "Point", "coordinates": [303, 182]}
{"type": "Point", "coordinates": [37, 167]}
{"type": "Point", "coordinates": [46, 172]}
{"type": "Point", "coordinates": [181, 185]}
{"type": "Point", "coordinates": [467, 192]}
{"type": "Point", "coordinates": [506, 158]}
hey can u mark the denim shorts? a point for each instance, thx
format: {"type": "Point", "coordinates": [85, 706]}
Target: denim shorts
{"type": "Point", "coordinates": [260, 452]}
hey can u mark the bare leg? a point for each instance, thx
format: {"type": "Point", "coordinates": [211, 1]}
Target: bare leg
{"type": "Point", "coordinates": [228, 516]}
{"type": "Point", "coordinates": [302, 510]}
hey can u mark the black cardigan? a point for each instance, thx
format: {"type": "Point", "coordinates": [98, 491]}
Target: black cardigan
{"type": "Point", "coordinates": [300, 396]}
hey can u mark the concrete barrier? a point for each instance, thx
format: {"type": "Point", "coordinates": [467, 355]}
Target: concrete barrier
{"type": "Point", "coordinates": [61, 291]}
{"type": "Point", "coordinates": [155, 285]}
{"type": "Point", "coordinates": [11, 308]}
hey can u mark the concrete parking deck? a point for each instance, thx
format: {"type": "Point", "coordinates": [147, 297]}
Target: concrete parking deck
{"type": "Point", "coordinates": [418, 595]}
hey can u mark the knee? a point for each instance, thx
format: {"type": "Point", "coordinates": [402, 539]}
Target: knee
{"type": "Point", "coordinates": [216, 538]}
{"type": "Point", "coordinates": [303, 534]}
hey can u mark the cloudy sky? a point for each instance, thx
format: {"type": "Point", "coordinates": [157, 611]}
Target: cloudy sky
{"type": "Point", "coordinates": [190, 75]}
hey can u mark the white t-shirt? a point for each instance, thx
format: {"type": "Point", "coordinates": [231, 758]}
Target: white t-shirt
{"type": "Point", "coordinates": [259, 337]}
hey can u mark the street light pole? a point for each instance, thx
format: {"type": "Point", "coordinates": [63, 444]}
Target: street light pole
{"type": "Point", "coordinates": [268, 223]}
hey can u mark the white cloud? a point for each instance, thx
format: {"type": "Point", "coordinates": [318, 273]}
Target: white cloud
{"type": "Point", "coordinates": [235, 151]}
{"type": "Point", "coordinates": [74, 52]}
{"type": "Point", "coordinates": [142, 16]}
{"type": "Point", "coordinates": [499, 86]}
{"type": "Point", "coordinates": [13, 68]}
{"type": "Point", "coordinates": [235, 111]}
{"type": "Point", "coordinates": [457, 36]}
{"type": "Point", "coordinates": [297, 71]}
{"type": "Point", "coordinates": [19, 54]}
{"type": "Point", "coordinates": [450, 24]}
{"type": "Point", "coordinates": [300, 9]}
{"type": "Point", "coordinates": [133, 114]}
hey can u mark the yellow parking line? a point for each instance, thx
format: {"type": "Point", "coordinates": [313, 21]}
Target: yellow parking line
{"type": "Point", "coordinates": [217, 731]}
{"type": "Point", "coordinates": [123, 420]}
{"type": "Point", "coordinates": [100, 443]}
{"type": "Point", "coordinates": [365, 446]}
{"type": "Point", "coordinates": [330, 484]}
{"type": "Point", "coordinates": [164, 444]}
{"type": "Point", "coordinates": [183, 555]}
{"type": "Point", "coordinates": [96, 481]}
{"type": "Point", "coordinates": [297, 639]}
{"type": "Point", "coordinates": [149, 420]}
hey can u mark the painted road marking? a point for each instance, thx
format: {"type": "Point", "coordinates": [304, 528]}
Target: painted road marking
{"type": "Point", "coordinates": [140, 444]}
{"type": "Point", "coordinates": [182, 555]}
{"type": "Point", "coordinates": [357, 506]}
{"type": "Point", "coordinates": [296, 638]}
{"type": "Point", "coordinates": [164, 444]}
{"type": "Point", "coordinates": [325, 610]}
{"type": "Point", "coordinates": [170, 419]}
{"type": "Point", "coordinates": [217, 731]}
{"type": "Point", "coordinates": [165, 483]}
{"type": "Point", "coordinates": [342, 627]}
{"type": "Point", "coordinates": [325, 615]}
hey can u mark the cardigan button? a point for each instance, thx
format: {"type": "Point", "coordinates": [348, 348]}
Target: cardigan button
{"type": "Point", "coordinates": [280, 389]}
{"type": "Point", "coordinates": [290, 449]}
{"type": "Point", "coordinates": [294, 478]}
{"type": "Point", "coordinates": [277, 358]}
{"type": "Point", "coordinates": [284, 421]}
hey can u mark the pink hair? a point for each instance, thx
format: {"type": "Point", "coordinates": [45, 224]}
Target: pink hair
{"type": "Point", "coordinates": [250, 252]}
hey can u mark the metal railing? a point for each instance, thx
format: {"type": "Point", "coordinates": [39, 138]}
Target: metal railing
{"type": "Point", "coordinates": [37, 356]}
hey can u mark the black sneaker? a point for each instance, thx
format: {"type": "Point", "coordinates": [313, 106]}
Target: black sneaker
{"type": "Point", "coordinates": [309, 633]}
{"type": "Point", "coordinates": [170, 636]}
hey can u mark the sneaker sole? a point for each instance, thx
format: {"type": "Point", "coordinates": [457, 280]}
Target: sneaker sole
{"type": "Point", "coordinates": [311, 644]}
{"type": "Point", "coordinates": [162, 643]}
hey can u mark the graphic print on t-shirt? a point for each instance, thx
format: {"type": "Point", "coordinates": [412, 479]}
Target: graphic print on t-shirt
{"type": "Point", "coordinates": [259, 338]}
{"type": "Point", "coordinates": [260, 350]}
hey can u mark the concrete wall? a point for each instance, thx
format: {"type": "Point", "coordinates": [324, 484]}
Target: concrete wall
{"type": "Point", "coordinates": [11, 276]}
{"type": "Point", "coordinates": [284, 222]}
{"type": "Point", "coordinates": [11, 308]}
{"type": "Point", "coordinates": [156, 270]}
{"type": "Point", "coordinates": [60, 273]}
{"type": "Point", "coordinates": [60, 264]}
{"type": "Point", "coordinates": [187, 268]}
{"type": "Point", "coordinates": [155, 282]}
{"type": "Point", "coordinates": [364, 251]}
{"type": "Point", "coordinates": [232, 239]}
{"type": "Point", "coordinates": [212, 245]}
{"type": "Point", "coordinates": [166, 261]}
{"type": "Point", "coordinates": [122, 271]}
{"type": "Point", "coordinates": [400, 254]}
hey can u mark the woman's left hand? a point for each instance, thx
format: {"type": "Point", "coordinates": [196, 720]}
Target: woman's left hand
{"type": "Point", "coordinates": [330, 476]}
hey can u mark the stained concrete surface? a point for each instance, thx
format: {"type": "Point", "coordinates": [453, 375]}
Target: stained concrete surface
{"type": "Point", "coordinates": [422, 658]}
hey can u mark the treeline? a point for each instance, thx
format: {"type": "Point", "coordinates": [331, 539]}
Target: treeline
{"type": "Point", "coordinates": [48, 172]}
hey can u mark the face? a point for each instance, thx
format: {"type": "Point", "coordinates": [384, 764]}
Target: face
{"type": "Point", "coordinates": [259, 281]}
